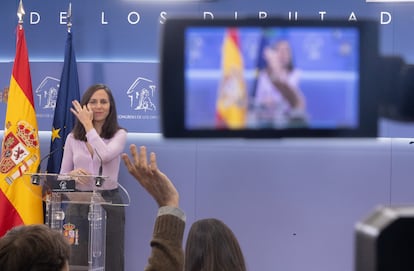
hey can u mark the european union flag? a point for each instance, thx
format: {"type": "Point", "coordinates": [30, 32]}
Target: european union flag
{"type": "Point", "coordinates": [63, 119]}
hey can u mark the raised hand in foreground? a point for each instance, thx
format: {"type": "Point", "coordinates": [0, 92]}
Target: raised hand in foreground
{"type": "Point", "coordinates": [157, 184]}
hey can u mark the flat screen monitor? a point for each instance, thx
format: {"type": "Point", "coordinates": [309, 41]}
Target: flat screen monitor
{"type": "Point", "coordinates": [268, 78]}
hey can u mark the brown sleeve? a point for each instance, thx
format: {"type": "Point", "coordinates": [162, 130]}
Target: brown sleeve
{"type": "Point", "coordinates": [167, 251]}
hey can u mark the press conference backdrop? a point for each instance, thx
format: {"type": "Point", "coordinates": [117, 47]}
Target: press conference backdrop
{"type": "Point", "coordinates": [289, 210]}
{"type": "Point", "coordinates": [134, 86]}
{"type": "Point", "coordinates": [117, 42]}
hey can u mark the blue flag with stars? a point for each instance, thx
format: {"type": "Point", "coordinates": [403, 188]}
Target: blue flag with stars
{"type": "Point", "coordinates": [63, 120]}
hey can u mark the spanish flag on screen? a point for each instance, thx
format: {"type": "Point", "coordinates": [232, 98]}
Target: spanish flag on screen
{"type": "Point", "coordinates": [231, 105]}
{"type": "Point", "coordinates": [20, 202]}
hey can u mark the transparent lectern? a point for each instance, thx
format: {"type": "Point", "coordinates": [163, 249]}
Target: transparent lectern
{"type": "Point", "coordinates": [79, 215]}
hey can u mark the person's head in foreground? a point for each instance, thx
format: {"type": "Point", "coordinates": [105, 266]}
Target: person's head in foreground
{"type": "Point", "coordinates": [34, 248]}
{"type": "Point", "coordinates": [211, 245]}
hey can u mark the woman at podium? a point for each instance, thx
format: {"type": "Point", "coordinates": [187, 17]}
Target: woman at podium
{"type": "Point", "coordinates": [94, 147]}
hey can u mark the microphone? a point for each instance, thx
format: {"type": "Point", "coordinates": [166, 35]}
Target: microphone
{"type": "Point", "coordinates": [36, 177]}
{"type": "Point", "coordinates": [99, 179]}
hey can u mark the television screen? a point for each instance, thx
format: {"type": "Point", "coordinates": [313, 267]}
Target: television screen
{"type": "Point", "coordinates": [268, 78]}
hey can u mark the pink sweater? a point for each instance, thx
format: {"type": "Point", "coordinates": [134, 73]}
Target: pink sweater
{"type": "Point", "coordinates": [76, 155]}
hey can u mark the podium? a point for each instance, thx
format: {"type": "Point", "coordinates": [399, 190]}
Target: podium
{"type": "Point", "coordinates": [81, 216]}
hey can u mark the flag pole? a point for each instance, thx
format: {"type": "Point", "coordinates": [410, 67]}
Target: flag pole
{"type": "Point", "coordinates": [69, 17]}
{"type": "Point", "coordinates": [20, 13]}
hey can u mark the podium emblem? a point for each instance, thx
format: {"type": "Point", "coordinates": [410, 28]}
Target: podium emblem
{"type": "Point", "coordinates": [71, 233]}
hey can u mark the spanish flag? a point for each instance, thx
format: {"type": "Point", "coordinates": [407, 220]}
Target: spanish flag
{"type": "Point", "coordinates": [231, 105]}
{"type": "Point", "coordinates": [20, 202]}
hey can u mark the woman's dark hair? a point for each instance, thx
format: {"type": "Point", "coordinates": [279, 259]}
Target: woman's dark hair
{"type": "Point", "coordinates": [212, 246]}
{"type": "Point", "coordinates": [110, 126]}
{"type": "Point", "coordinates": [33, 248]}
{"type": "Point", "coordinates": [273, 44]}
{"type": "Point", "coordinates": [290, 66]}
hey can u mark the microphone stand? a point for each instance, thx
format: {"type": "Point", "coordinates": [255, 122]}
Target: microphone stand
{"type": "Point", "coordinates": [99, 179]}
{"type": "Point", "coordinates": [36, 177]}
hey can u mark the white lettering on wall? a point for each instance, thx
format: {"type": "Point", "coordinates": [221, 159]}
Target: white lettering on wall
{"type": "Point", "coordinates": [163, 17]}
{"type": "Point", "coordinates": [134, 17]}
{"type": "Point", "coordinates": [385, 17]}
{"type": "Point", "coordinates": [208, 13]}
{"type": "Point", "coordinates": [352, 17]}
{"type": "Point", "coordinates": [34, 17]}
{"type": "Point", "coordinates": [62, 17]}
{"type": "Point", "coordinates": [294, 17]}
{"type": "Point", "coordinates": [103, 21]}
{"type": "Point", "coordinates": [262, 14]}
{"type": "Point", "coordinates": [322, 14]}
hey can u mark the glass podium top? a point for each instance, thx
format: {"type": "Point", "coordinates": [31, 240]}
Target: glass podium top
{"type": "Point", "coordinates": [63, 185]}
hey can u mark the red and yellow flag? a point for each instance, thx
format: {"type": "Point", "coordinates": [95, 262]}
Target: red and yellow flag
{"type": "Point", "coordinates": [20, 202]}
{"type": "Point", "coordinates": [231, 102]}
